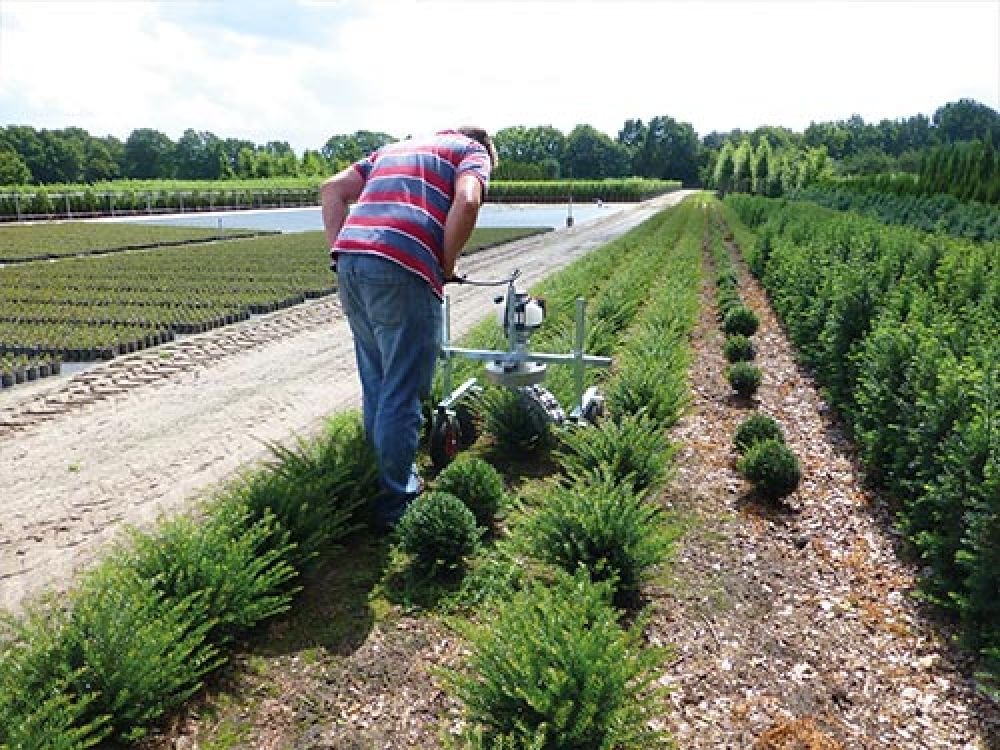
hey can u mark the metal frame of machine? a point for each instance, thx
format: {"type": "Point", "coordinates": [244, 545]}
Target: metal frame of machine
{"type": "Point", "coordinates": [516, 368]}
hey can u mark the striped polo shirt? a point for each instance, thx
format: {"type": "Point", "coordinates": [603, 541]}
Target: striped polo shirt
{"type": "Point", "coordinates": [409, 188]}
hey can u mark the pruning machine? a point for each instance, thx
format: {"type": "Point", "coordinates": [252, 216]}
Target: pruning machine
{"type": "Point", "coordinates": [520, 315]}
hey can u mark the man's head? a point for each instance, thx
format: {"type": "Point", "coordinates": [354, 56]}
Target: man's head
{"type": "Point", "coordinates": [482, 137]}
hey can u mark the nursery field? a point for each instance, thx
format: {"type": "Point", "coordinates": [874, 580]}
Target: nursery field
{"type": "Point", "coordinates": [900, 328]}
{"type": "Point", "coordinates": [95, 308]}
{"type": "Point", "coordinates": [44, 241]}
{"type": "Point", "coordinates": [123, 440]}
{"type": "Point", "coordinates": [703, 566]}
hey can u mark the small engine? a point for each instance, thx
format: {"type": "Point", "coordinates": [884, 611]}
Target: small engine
{"type": "Point", "coordinates": [520, 315]}
{"type": "Point", "coordinates": [523, 314]}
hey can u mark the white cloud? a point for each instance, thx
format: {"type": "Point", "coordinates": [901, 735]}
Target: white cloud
{"type": "Point", "coordinates": [238, 69]}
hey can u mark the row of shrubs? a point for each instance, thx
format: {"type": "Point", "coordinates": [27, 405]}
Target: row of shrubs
{"type": "Point", "coordinates": [141, 632]}
{"type": "Point", "coordinates": [738, 321]}
{"type": "Point", "coordinates": [22, 368]}
{"type": "Point", "coordinates": [554, 662]}
{"type": "Point", "coordinates": [900, 327]}
{"type": "Point", "coordinates": [764, 458]}
{"type": "Point", "coordinates": [939, 212]}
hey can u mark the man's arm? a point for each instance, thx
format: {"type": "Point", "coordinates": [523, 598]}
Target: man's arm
{"type": "Point", "coordinates": [461, 220]}
{"type": "Point", "coordinates": [336, 195]}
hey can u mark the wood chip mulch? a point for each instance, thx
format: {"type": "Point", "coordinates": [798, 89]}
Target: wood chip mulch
{"type": "Point", "coordinates": [794, 625]}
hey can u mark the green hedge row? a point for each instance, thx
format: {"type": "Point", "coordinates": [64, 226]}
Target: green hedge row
{"type": "Point", "coordinates": [615, 190]}
{"type": "Point", "coordinates": [176, 196]}
{"type": "Point", "coordinates": [551, 663]}
{"type": "Point", "coordinates": [931, 213]}
{"type": "Point", "coordinates": [901, 327]}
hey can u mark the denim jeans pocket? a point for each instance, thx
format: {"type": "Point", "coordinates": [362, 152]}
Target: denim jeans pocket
{"type": "Point", "coordinates": [387, 302]}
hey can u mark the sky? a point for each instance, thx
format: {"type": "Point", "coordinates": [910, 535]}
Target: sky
{"type": "Point", "coordinates": [303, 70]}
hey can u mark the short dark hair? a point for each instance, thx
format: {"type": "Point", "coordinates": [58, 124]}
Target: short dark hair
{"type": "Point", "coordinates": [482, 137]}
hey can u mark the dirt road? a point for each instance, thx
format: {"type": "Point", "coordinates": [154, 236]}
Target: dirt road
{"type": "Point", "coordinates": [146, 434]}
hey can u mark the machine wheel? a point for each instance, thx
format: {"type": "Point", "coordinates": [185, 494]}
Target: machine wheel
{"type": "Point", "coordinates": [468, 423]}
{"type": "Point", "coordinates": [593, 410]}
{"type": "Point", "coordinates": [542, 407]}
{"type": "Point", "coordinates": [446, 434]}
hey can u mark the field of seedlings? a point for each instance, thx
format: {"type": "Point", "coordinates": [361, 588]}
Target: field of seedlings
{"type": "Point", "coordinates": [27, 242]}
{"type": "Point", "coordinates": [95, 308]}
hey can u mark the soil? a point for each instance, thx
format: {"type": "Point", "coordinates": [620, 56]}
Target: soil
{"type": "Point", "coordinates": [146, 434]}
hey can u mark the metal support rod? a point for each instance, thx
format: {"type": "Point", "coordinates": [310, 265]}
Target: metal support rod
{"type": "Point", "coordinates": [446, 344]}
{"type": "Point", "coordinates": [578, 364]}
{"type": "Point", "coordinates": [511, 300]}
{"type": "Point", "coordinates": [493, 355]}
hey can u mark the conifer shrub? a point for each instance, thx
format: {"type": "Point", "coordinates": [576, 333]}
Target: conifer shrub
{"type": "Point", "coordinates": [633, 451]}
{"type": "Point", "coordinates": [738, 348]}
{"type": "Point", "coordinates": [315, 490]}
{"type": "Point", "coordinates": [741, 319]}
{"type": "Point", "coordinates": [554, 669]}
{"type": "Point", "coordinates": [727, 278]}
{"type": "Point", "coordinates": [477, 484]}
{"type": "Point", "coordinates": [772, 468]}
{"type": "Point", "coordinates": [727, 301]}
{"type": "Point", "coordinates": [602, 526]}
{"type": "Point", "coordinates": [39, 707]}
{"type": "Point", "coordinates": [755, 428]}
{"type": "Point", "coordinates": [238, 567]}
{"type": "Point", "coordinates": [650, 382]}
{"type": "Point", "coordinates": [438, 531]}
{"type": "Point", "coordinates": [516, 425]}
{"type": "Point", "coordinates": [136, 653]}
{"type": "Point", "coordinates": [744, 378]}
{"type": "Point", "coordinates": [617, 306]}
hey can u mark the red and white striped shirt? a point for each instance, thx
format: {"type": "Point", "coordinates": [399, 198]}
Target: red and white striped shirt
{"type": "Point", "coordinates": [409, 188]}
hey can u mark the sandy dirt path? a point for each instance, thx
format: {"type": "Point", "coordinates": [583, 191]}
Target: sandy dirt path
{"type": "Point", "coordinates": [146, 434]}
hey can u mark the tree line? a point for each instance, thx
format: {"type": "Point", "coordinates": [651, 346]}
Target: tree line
{"type": "Point", "coordinates": [661, 147]}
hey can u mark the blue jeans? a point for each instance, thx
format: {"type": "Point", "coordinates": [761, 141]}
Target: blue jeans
{"type": "Point", "coordinates": [395, 318]}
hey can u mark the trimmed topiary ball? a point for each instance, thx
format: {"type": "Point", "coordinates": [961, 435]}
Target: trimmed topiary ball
{"type": "Point", "coordinates": [754, 429]}
{"type": "Point", "coordinates": [475, 483]}
{"type": "Point", "coordinates": [744, 378]}
{"type": "Point", "coordinates": [738, 348]}
{"type": "Point", "coordinates": [438, 530]}
{"type": "Point", "coordinates": [741, 319]}
{"type": "Point", "coordinates": [772, 468]}
{"type": "Point", "coordinates": [727, 278]}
